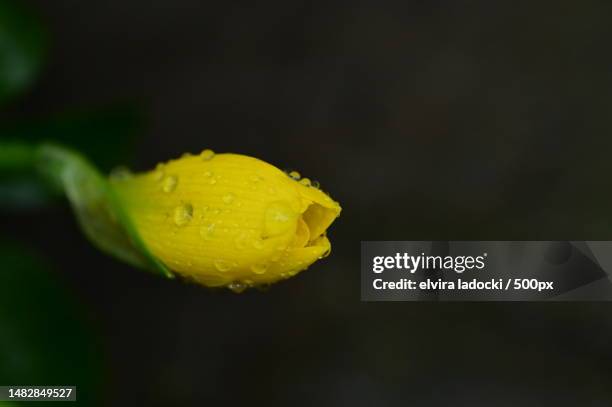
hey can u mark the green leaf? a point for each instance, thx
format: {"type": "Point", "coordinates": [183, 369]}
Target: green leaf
{"type": "Point", "coordinates": [22, 49]}
{"type": "Point", "coordinates": [44, 336]}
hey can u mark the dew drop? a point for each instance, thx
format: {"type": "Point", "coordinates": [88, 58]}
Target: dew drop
{"type": "Point", "coordinates": [254, 181]}
{"type": "Point", "coordinates": [241, 241]}
{"type": "Point", "coordinates": [237, 287]}
{"type": "Point", "coordinates": [325, 254]}
{"type": "Point", "coordinates": [222, 265]}
{"type": "Point", "coordinates": [278, 219]}
{"type": "Point", "coordinates": [207, 155]}
{"type": "Point", "coordinates": [183, 214]}
{"type": "Point", "coordinates": [295, 175]}
{"type": "Point", "coordinates": [207, 230]}
{"type": "Point", "coordinates": [315, 184]}
{"type": "Point", "coordinates": [306, 182]}
{"type": "Point", "coordinates": [186, 155]}
{"type": "Point", "coordinates": [170, 183]}
{"type": "Point", "coordinates": [258, 244]}
{"type": "Point", "coordinates": [228, 198]}
{"type": "Point", "coordinates": [259, 268]}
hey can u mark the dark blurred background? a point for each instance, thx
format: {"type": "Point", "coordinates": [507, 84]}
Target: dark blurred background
{"type": "Point", "coordinates": [424, 119]}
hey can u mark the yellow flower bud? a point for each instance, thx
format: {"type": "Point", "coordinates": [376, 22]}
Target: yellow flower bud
{"type": "Point", "coordinates": [227, 219]}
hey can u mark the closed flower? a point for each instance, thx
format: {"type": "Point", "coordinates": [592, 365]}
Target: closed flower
{"type": "Point", "coordinates": [228, 219]}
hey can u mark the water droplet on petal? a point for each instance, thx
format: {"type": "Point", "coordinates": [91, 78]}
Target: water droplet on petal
{"type": "Point", "coordinates": [170, 183]}
{"type": "Point", "coordinates": [254, 181]}
{"type": "Point", "coordinates": [208, 174]}
{"type": "Point", "coordinates": [305, 181]}
{"type": "Point", "coordinates": [241, 241]}
{"type": "Point", "coordinates": [237, 287]}
{"type": "Point", "coordinates": [316, 184]}
{"type": "Point", "coordinates": [186, 155]}
{"type": "Point", "coordinates": [207, 230]}
{"type": "Point", "coordinates": [183, 214]}
{"type": "Point", "coordinates": [258, 244]}
{"type": "Point", "coordinates": [278, 219]}
{"type": "Point", "coordinates": [295, 175]}
{"type": "Point", "coordinates": [259, 268]}
{"type": "Point", "coordinates": [228, 198]}
{"type": "Point", "coordinates": [222, 265]}
{"type": "Point", "coordinates": [207, 155]}
{"type": "Point", "coordinates": [325, 254]}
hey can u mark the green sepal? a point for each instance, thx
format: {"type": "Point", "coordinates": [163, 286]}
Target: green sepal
{"type": "Point", "coordinates": [96, 206]}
